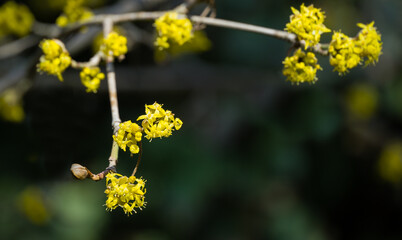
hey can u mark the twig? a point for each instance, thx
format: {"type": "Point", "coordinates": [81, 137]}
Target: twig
{"type": "Point", "coordinates": [18, 46]}
{"type": "Point", "coordinates": [138, 160]}
{"type": "Point", "coordinates": [93, 62]}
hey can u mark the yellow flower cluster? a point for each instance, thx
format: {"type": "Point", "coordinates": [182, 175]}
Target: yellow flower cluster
{"type": "Point", "coordinates": [55, 59]}
{"type": "Point", "coordinates": [346, 53]}
{"type": "Point", "coordinates": [91, 77]}
{"type": "Point", "coordinates": [307, 24]}
{"type": "Point", "coordinates": [390, 163]}
{"type": "Point", "coordinates": [114, 45]}
{"type": "Point", "coordinates": [125, 192]}
{"type": "Point", "coordinates": [171, 29]}
{"type": "Point", "coordinates": [128, 135]}
{"type": "Point", "coordinates": [361, 101]}
{"type": "Point", "coordinates": [15, 19]}
{"type": "Point", "coordinates": [301, 67]}
{"type": "Point", "coordinates": [73, 12]}
{"type": "Point", "coordinates": [370, 41]}
{"type": "Point", "coordinates": [11, 106]}
{"type": "Point", "coordinates": [158, 122]}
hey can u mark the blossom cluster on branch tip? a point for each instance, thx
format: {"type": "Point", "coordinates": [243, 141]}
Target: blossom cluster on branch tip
{"type": "Point", "coordinates": [15, 19]}
{"type": "Point", "coordinates": [128, 135]}
{"type": "Point", "coordinates": [171, 29]}
{"type": "Point", "coordinates": [91, 77]}
{"type": "Point", "coordinates": [73, 12]}
{"type": "Point", "coordinates": [125, 192]}
{"type": "Point", "coordinates": [346, 53]}
{"type": "Point", "coordinates": [301, 67]}
{"type": "Point", "coordinates": [114, 45]}
{"type": "Point", "coordinates": [55, 59]}
{"type": "Point", "coordinates": [307, 24]}
{"type": "Point", "coordinates": [158, 122]}
{"type": "Point", "coordinates": [11, 105]}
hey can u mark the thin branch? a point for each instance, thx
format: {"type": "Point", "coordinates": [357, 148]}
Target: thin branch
{"type": "Point", "coordinates": [93, 62]}
{"type": "Point", "coordinates": [18, 46]}
{"type": "Point", "coordinates": [138, 160]}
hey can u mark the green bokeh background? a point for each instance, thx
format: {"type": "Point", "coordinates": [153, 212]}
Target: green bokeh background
{"type": "Point", "coordinates": [256, 158]}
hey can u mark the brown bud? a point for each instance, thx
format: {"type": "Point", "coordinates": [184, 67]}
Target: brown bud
{"type": "Point", "coordinates": [80, 172]}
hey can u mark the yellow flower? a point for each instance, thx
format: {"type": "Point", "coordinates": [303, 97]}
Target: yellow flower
{"type": "Point", "coordinates": [362, 101]}
{"type": "Point", "coordinates": [73, 12]}
{"type": "Point", "coordinates": [114, 45]}
{"type": "Point", "coordinates": [55, 59]}
{"type": "Point", "coordinates": [11, 106]}
{"type": "Point", "coordinates": [172, 29]}
{"type": "Point", "coordinates": [125, 192]}
{"type": "Point", "coordinates": [15, 19]}
{"type": "Point", "coordinates": [32, 204]}
{"type": "Point", "coordinates": [91, 77]}
{"type": "Point", "coordinates": [344, 52]}
{"type": "Point", "coordinates": [128, 135]}
{"type": "Point", "coordinates": [301, 67]}
{"type": "Point", "coordinates": [158, 122]}
{"type": "Point", "coordinates": [307, 24]}
{"type": "Point", "coordinates": [370, 40]}
{"type": "Point", "coordinates": [390, 163]}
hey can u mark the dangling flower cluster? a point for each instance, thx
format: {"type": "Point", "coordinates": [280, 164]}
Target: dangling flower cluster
{"type": "Point", "coordinates": [15, 19]}
{"type": "Point", "coordinates": [125, 192]}
{"type": "Point", "coordinates": [301, 67]}
{"type": "Point", "coordinates": [11, 106]}
{"type": "Point", "coordinates": [158, 122]}
{"type": "Point", "coordinates": [344, 52]}
{"type": "Point", "coordinates": [128, 135]}
{"type": "Point", "coordinates": [114, 45]}
{"type": "Point", "coordinates": [171, 29]}
{"type": "Point", "coordinates": [91, 77]}
{"type": "Point", "coordinates": [55, 59]}
{"type": "Point", "coordinates": [370, 41]}
{"type": "Point", "coordinates": [307, 24]}
{"type": "Point", "coordinates": [74, 11]}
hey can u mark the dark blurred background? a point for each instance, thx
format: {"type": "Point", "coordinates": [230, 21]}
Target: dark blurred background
{"type": "Point", "coordinates": [256, 158]}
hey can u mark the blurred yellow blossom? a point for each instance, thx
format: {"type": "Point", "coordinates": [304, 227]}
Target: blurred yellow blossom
{"type": "Point", "coordinates": [73, 11]}
{"type": "Point", "coordinates": [15, 19]}
{"type": "Point", "coordinates": [301, 67]}
{"type": "Point", "coordinates": [362, 101]}
{"type": "Point", "coordinates": [370, 40]}
{"type": "Point", "coordinates": [128, 135]}
{"type": "Point", "coordinates": [114, 45]}
{"type": "Point", "coordinates": [390, 163]}
{"type": "Point", "coordinates": [344, 52]}
{"type": "Point", "coordinates": [31, 203]}
{"type": "Point", "coordinates": [55, 59]}
{"type": "Point", "coordinates": [307, 24]}
{"type": "Point", "coordinates": [11, 105]}
{"type": "Point", "coordinates": [199, 43]}
{"type": "Point", "coordinates": [91, 77]}
{"type": "Point", "coordinates": [172, 29]}
{"type": "Point", "coordinates": [125, 192]}
{"type": "Point", "coordinates": [158, 122]}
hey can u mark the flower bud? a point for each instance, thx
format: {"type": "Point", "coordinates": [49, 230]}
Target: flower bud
{"type": "Point", "coordinates": [80, 172]}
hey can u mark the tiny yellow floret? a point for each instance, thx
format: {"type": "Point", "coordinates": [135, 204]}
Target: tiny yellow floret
{"type": "Point", "coordinates": [301, 67]}
{"type": "Point", "coordinates": [125, 192]}
{"type": "Point", "coordinates": [128, 135]}
{"type": "Point", "coordinates": [158, 122]}
{"type": "Point", "coordinates": [55, 59]}
{"type": "Point", "coordinates": [114, 45]}
{"type": "Point", "coordinates": [171, 29]}
{"type": "Point", "coordinates": [91, 77]}
{"type": "Point", "coordinates": [344, 52]}
{"type": "Point", "coordinates": [370, 40]}
{"type": "Point", "coordinates": [307, 24]}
